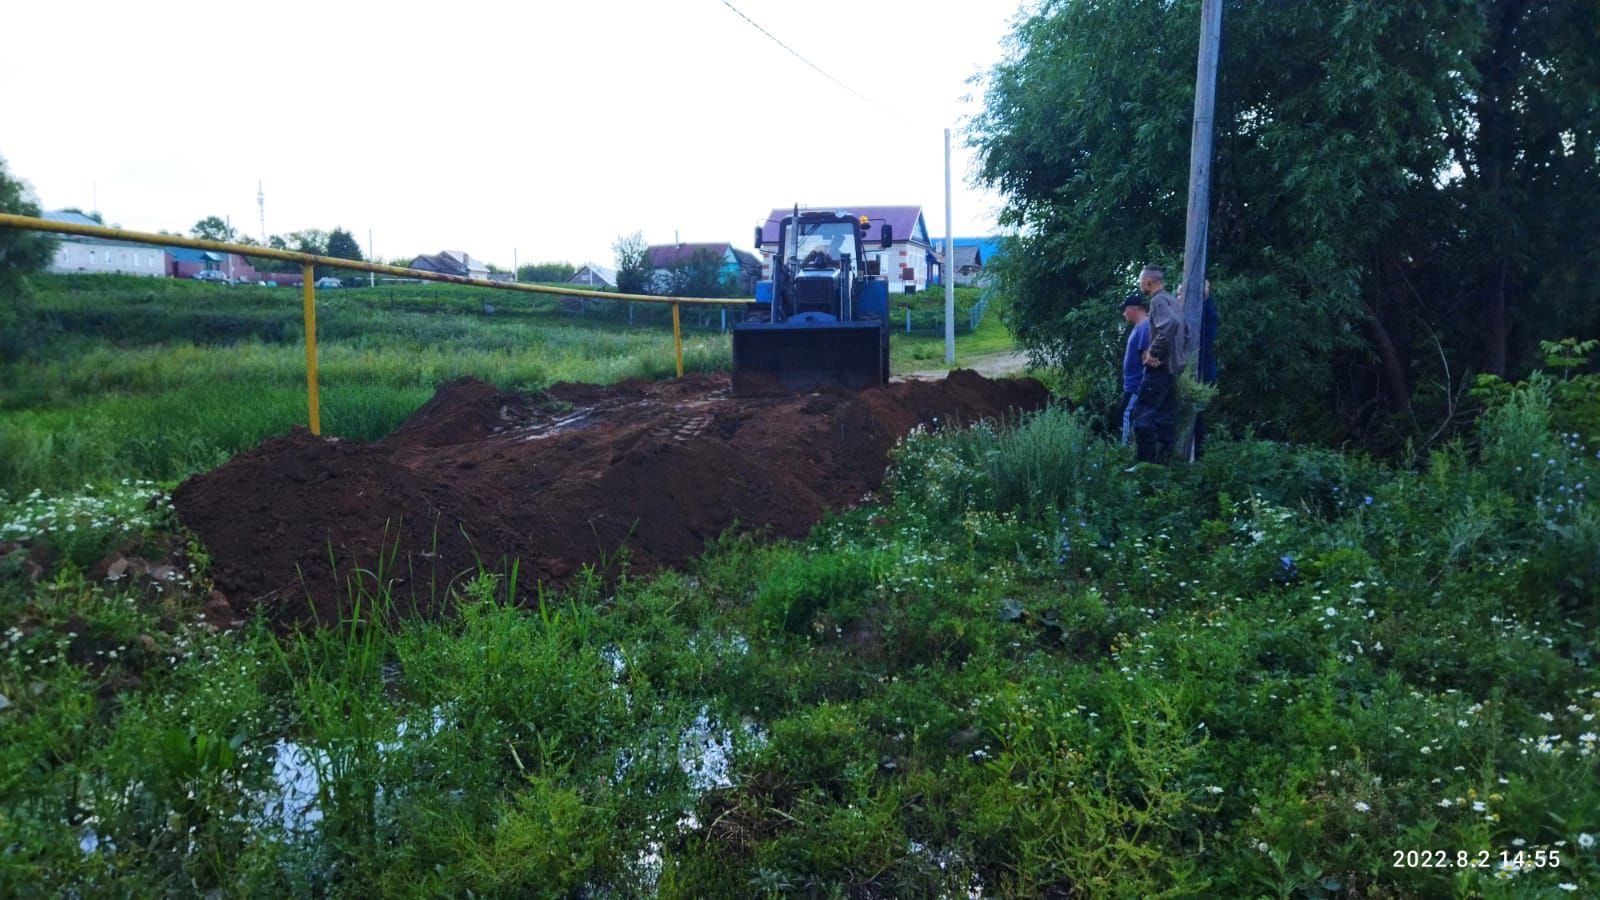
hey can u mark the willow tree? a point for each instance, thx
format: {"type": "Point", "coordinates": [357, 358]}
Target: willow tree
{"type": "Point", "coordinates": [1402, 193]}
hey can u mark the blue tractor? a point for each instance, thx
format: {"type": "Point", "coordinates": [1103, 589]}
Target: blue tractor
{"type": "Point", "coordinates": [823, 319]}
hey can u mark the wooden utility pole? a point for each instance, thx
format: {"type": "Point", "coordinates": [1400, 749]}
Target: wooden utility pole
{"type": "Point", "coordinates": [1198, 223]}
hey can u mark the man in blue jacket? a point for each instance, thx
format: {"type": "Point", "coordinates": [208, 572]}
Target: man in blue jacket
{"type": "Point", "coordinates": [1134, 313]}
{"type": "Point", "coordinates": [1156, 417]}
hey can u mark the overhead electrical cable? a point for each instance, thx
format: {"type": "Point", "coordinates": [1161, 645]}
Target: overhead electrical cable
{"type": "Point", "coordinates": [796, 54]}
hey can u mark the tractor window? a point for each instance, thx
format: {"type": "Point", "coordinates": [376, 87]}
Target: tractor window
{"type": "Point", "coordinates": [834, 238]}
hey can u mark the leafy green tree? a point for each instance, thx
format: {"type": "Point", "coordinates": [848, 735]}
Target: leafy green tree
{"type": "Point", "coordinates": [21, 254]}
{"type": "Point", "coordinates": [546, 271]}
{"type": "Point", "coordinates": [95, 215]}
{"type": "Point", "coordinates": [264, 264]}
{"type": "Point", "coordinates": [1388, 178]}
{"type": "Point", "coordinates": [634, 275]}
{"type": "Point", "coordinates": [343, 245]}
{"type": "Point", "coordinates": [212, 228]}
{"type": "Point", "coordinates": [1524, 133]}
{"type": "Point", "coordinates": [701, 276]}
{"type": "Point", "coordinates": [309, 240]}
{"type": "Point", "coordinates": [313, 241]}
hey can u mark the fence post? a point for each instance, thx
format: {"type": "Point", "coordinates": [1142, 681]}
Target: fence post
{"type": "Point", "coordinates": [309, 291]}
{"type": "Point", "coordinates": [677, 339]}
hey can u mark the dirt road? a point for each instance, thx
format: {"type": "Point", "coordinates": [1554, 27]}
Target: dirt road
{"type": "Point", "coordinates": [989, 365]}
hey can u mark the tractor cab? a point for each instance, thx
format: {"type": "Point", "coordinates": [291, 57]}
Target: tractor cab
{"type": "Point", "coordinates": [822, 319]}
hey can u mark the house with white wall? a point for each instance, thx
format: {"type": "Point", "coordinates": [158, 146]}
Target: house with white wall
{"type": "Point", "coordinates": [75, 253]}
{"type": "Point", "coordinates": [594, 276]}
{"type": "Point", "coordinates": [911, 261]}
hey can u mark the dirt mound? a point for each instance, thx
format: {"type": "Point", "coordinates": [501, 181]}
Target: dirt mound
{"type": "Point", "coordinates": [557, 481]}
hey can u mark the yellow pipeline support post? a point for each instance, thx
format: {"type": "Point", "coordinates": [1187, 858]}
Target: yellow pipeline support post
{"type": "Point", "coordinates": [677, 339]}
{"type": "Point", "coordinates": [308, 273]}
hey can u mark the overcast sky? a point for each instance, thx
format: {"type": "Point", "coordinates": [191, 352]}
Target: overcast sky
{"type": "Point", "coordinates": [547, 129]}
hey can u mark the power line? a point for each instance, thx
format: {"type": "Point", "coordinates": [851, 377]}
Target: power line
{"type": "Point", "coordinates": [796, 54]}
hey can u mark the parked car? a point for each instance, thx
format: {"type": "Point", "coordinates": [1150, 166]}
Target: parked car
{"type": "Point", "coordinates": [329, 282]}
{"type": "Point", "coordinates": [211, 275]}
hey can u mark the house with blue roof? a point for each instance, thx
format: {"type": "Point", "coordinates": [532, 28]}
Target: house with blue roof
{"type": "Point", "coordinates": [184, 262]}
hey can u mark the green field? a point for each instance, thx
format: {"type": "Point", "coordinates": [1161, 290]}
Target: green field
{"type": "Point", "coordinates": [1023, 671]}
{"type": "Point", "coordinates": [159, 379]}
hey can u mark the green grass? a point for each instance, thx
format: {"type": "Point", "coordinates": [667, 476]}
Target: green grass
{"type": "Point", "coordinates": [1022, 670]}
{"type": "Point", "coordinates": [159, 379]}
{"type": "Point", "coordinates": [1262, 675]}
{"type": "Point", "coordinates": [924, 348]}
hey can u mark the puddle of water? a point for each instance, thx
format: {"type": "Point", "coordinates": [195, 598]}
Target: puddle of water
{"type": "Point", "coordinates": [705, 751]}
{"type": "Point", "coordinates": [435, 724]}
{"type": "Point", "coordinates": [292, 804]}
{"type": "Point", "coordinates": [569, 422]}
{"type": "Point", "coordinates": [705, 754]}
{"type": "Point", "coordinates": [945, 860]}
{"type": "Point", "coordinates": [612, 654]}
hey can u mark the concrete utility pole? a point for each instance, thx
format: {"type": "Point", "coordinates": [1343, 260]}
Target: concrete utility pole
{"type": "Point", "coordinates": [1197, 226]}
{"type": "Point", "coordinates": [372, 277]}
{"type": "Point", "coordinates": [944, 270]}
{"type": "Point", "coordinates": [1198, 223]}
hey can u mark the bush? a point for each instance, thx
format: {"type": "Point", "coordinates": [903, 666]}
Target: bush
{"type": "Point", "coordinates": [1034, 466]}
{"type": "Point", "coordinates": [802, 585]}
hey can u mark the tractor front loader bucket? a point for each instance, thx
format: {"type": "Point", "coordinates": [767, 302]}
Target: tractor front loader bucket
{"type": "Point", "coordinates": [805, 356]}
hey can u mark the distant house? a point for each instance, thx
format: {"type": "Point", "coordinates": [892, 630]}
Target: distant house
{"type": "Point", "coordinates": [972, 255]}
{"type": "Point", "coordinates": [183, 262]}
{"type": "Point", "coordinates": [594, 276]}
{"type": "Point", "coordinates": [969, 264]}
{"type": "Point", "coordinates": [911, 262]}
{"type": "Point", "coordinates": [87, 254]}
{"type": "Point", "coordinates": [451, 262]}
{"type": "Point", "coordinates": [739, 269]}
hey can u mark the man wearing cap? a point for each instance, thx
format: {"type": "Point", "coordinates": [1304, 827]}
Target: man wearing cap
{"type": "Point", "coordinates": [1156, 414]}
{"type": "Point", "coordinates": [1133, 312]}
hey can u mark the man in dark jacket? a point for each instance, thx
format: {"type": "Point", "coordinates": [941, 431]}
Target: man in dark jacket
{"type": "Point", "coordinates": [1156, 413]}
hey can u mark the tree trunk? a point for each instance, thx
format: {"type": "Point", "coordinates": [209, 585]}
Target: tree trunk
{"type": "Point", "coordinates": [1498, 337]}
{"type": "Point", "coordinates": [1495, 158]}
{"type": "Point", "coordinates": [1394, 373]}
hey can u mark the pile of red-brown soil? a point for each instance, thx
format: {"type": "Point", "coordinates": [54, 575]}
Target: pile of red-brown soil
{"type": "Point", "coordinates": [558, 481]}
